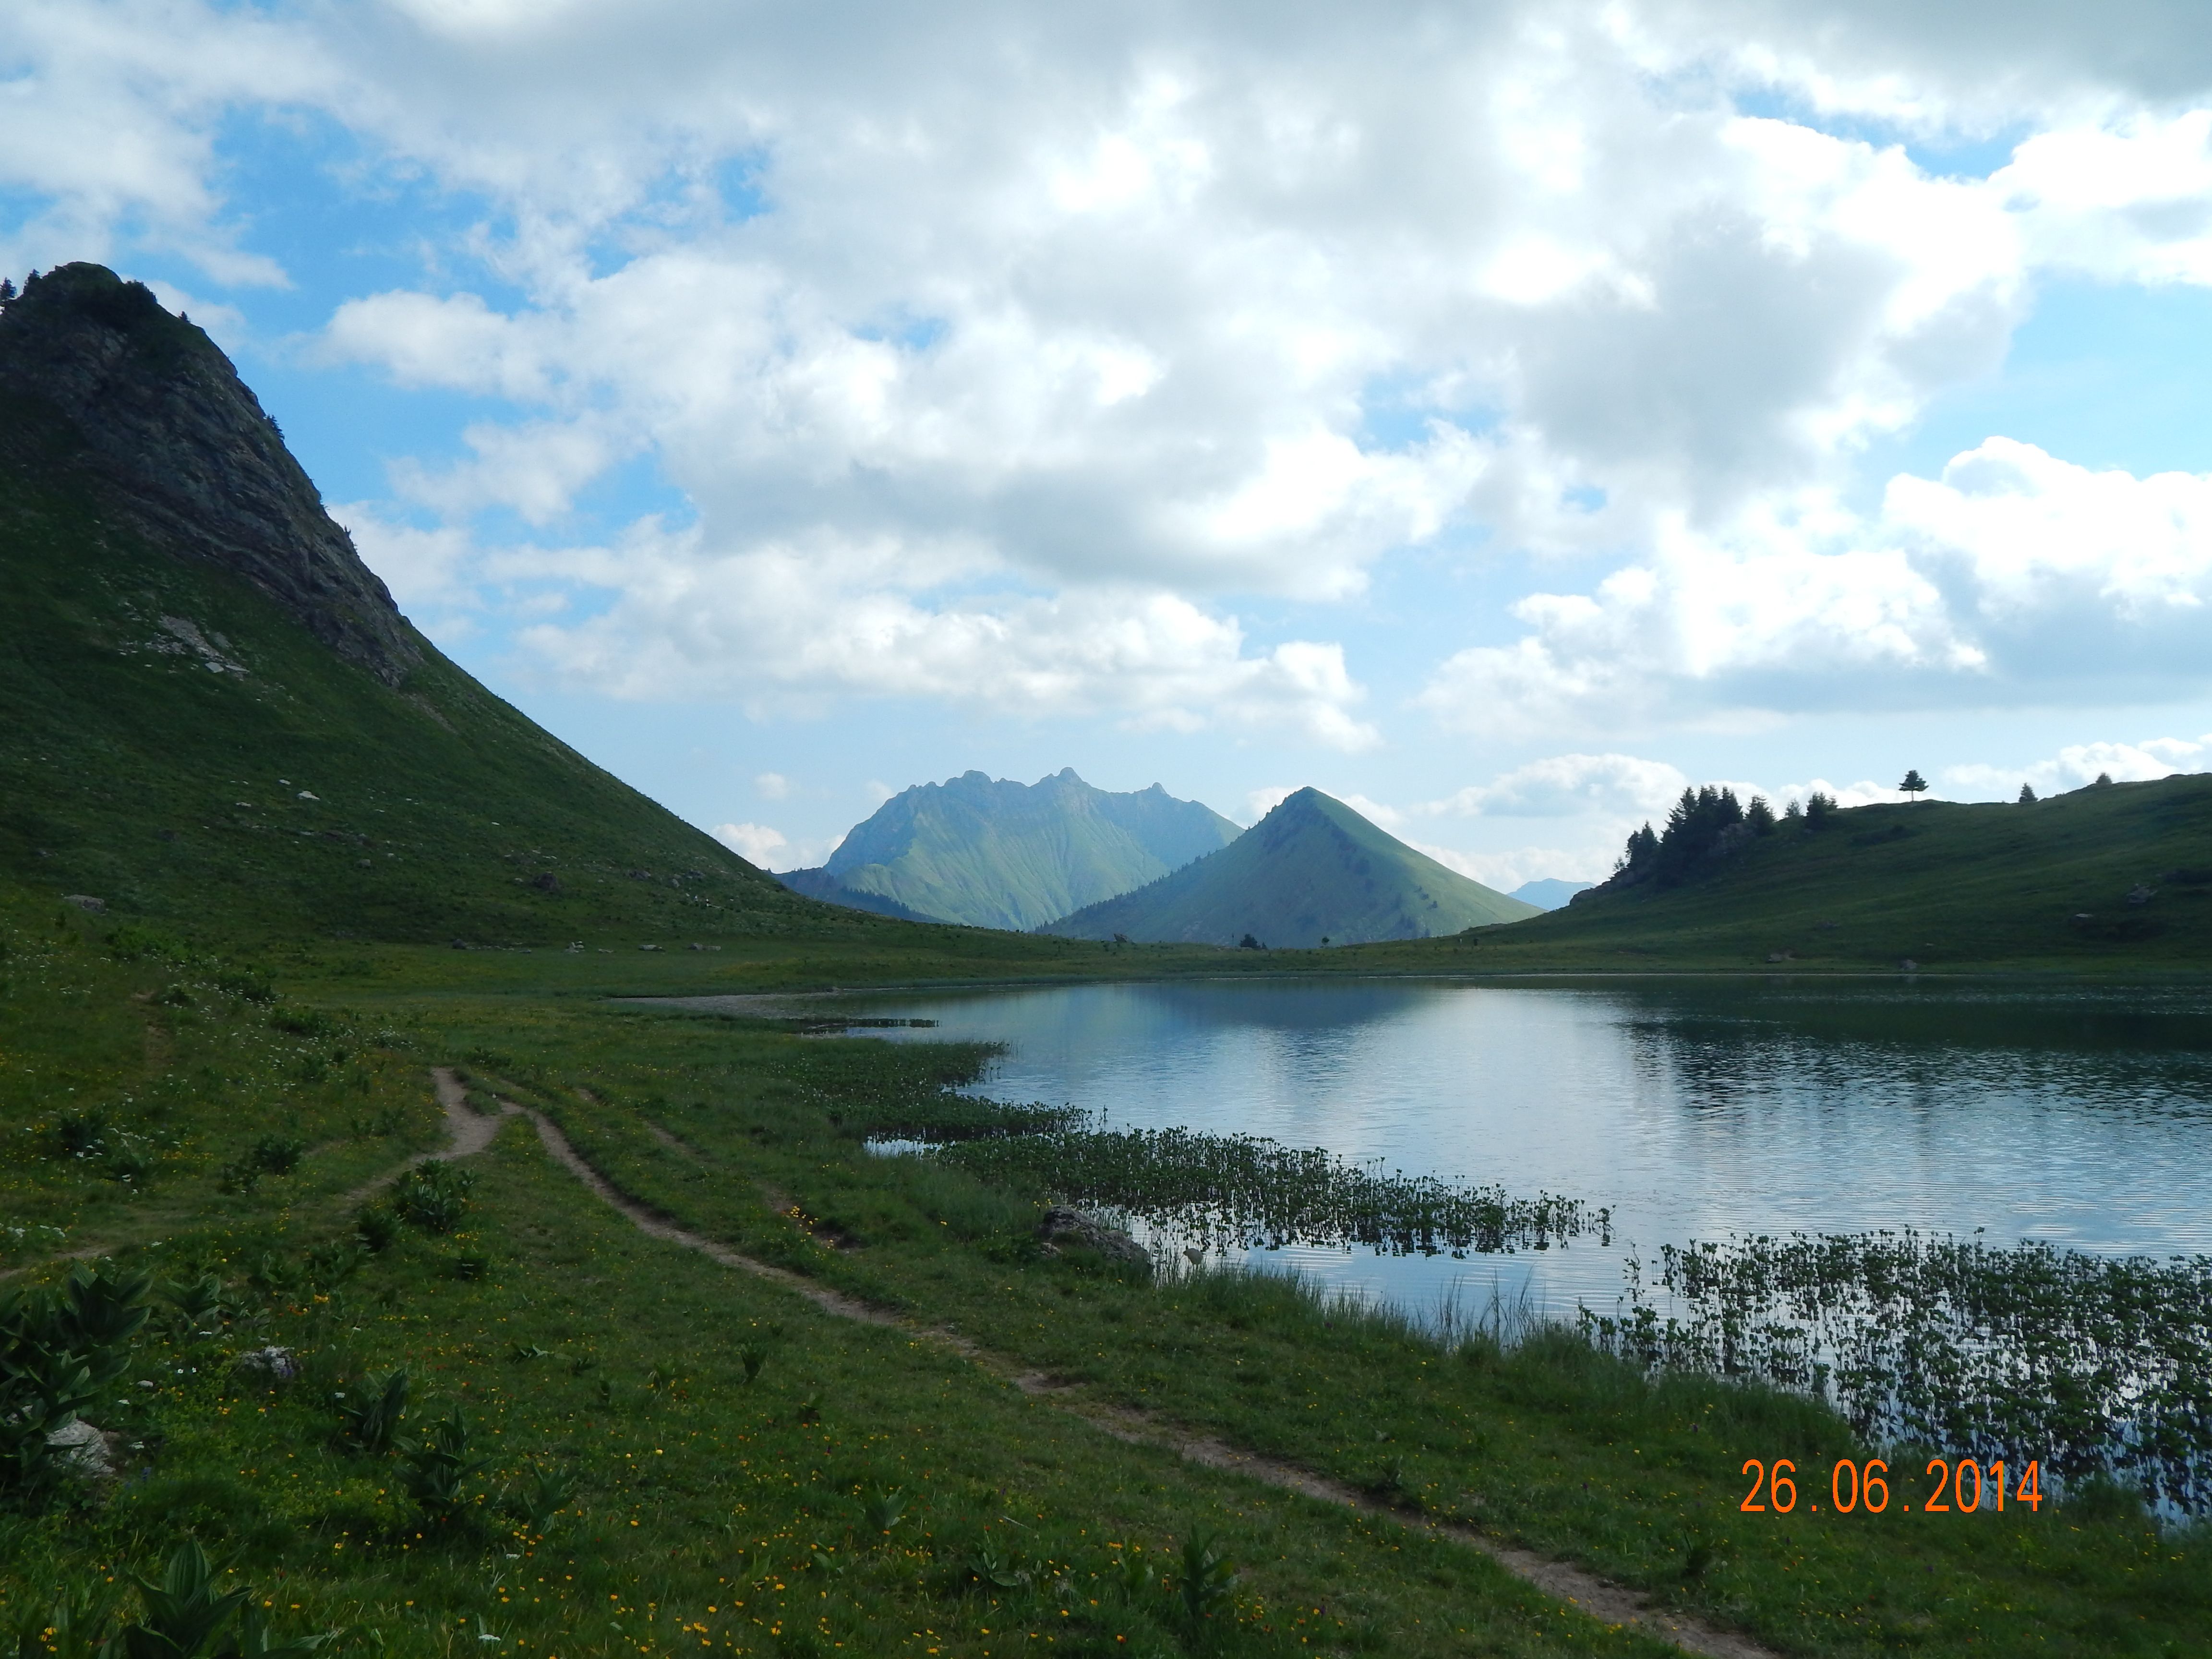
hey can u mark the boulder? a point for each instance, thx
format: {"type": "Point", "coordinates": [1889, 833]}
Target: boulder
{"type": "Point", "coordinates": [85, 902]}
{"type": "Point", "coordinates": [270, 1364]}
{"type": "Point", "coordinates": [85, 1448]}
{"type": "Point", "coordinates": [1062, 1226]}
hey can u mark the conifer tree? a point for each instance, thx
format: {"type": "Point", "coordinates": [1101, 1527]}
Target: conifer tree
{"type": "Point", "coordinates": [1913, 784]}
{"type": "Point", "coordinates": [2026, 796]}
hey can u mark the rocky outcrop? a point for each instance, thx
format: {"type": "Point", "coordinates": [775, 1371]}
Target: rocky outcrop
{"type": "Point", "coordinates": [98, 382]}
{"type": "Point", "coordinates": [1062, 1226]}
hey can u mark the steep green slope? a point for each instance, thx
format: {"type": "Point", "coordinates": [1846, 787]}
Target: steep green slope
{"type": "Point", "coordinates": [997, 853]}
{"type": "Point", "coordinates": [1312, 871]}
{"type": "Point", "coordinates": [212, 719]}
{"type": "Point", "coordinates": [1942, 885]}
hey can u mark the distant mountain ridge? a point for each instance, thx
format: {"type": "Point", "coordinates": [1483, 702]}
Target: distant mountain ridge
{"type": "Point", "coordinates": [1312, 871]}
{"type": "Point", "coordinates": [993, 852]}
{"type": "Point", "coordinates": [1550, 892]}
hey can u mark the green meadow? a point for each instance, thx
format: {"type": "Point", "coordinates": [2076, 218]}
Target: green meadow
{"type": "Point", "coordinates": [607, 1443]}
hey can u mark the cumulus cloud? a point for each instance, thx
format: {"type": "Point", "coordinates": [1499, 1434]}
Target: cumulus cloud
{"type": "Point", "coordinates": [1015, 354]}
{"type": "Point", "coordinates": [755, 843]}
{"type": "Point", "coordinates": [787, 623]}
{"type": "Point", "coordinates": [772, 785]}
{"type": "Point", "coordinates": [2014, 570]}
{"type": "Point", "coordinates": [2078, 764]}
{"type": "Point", "coordinates": [1565, 786]}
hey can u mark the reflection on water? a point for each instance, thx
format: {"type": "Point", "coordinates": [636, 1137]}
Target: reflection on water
{"type": "Point", "coordinates": [2080, 1116]}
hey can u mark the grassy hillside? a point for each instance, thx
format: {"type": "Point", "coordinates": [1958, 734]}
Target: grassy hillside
{"type": "Point", "coordinates": [997, 853]}
{"type": "Point", "coordinates": [1312, 871]}
{"type": "Point", "coordinates": [1947, 887]}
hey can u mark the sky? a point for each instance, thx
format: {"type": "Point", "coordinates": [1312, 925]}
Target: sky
{"type": "Point", "coordinates": [1499, 415]}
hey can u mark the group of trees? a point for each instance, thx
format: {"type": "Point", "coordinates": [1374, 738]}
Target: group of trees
{"type": "Point", "coordinates": [1709, 822]}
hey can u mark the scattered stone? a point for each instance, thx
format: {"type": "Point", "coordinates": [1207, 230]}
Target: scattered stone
{"type": "Point", "coordinates": [546, 882]}
{"type": "Point", "coordinates": [2140, 894]}
{"type": "Point", "coordinates": [277, 1365]}
{"type": "Point", "coordinates": [648, 947]}
{"type": "Point", "coordinates": [85, 902]}
{"type": "Point", "coordinates": [1909, 966]}
{"type": "Point", "coordinates": [1781, 956]}
{"type": "Point", "coordinates": [1063, 1225]}
{"type": "Point", "coordinates": [309, 794]}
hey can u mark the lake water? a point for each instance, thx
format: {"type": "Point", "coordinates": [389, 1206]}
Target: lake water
{"type": "Point", "coordinates": [1694, 1108]}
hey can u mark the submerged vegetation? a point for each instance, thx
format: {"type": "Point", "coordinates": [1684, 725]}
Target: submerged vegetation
{"type": "Point", "coordinates": [1246, 1192]}
{"type": "Point", "coordinates": [2097, 1366]}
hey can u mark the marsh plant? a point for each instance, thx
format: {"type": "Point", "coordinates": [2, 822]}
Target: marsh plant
{"type": "Point", "coordinates": [1247, 1191]}
{"type": "Point", "coordinates": [2095, 1364]}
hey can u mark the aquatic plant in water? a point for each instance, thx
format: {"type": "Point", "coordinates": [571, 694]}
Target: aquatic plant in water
{"type": "Point", "coordinates": [2094, 1364]}
{"type": "Point", "coordinates": [1249, 1192]}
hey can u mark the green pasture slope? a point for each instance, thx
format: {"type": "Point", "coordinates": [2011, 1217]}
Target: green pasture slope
{"type": "Point", "coordinates": [1951, 888]}
{"type": "Point", "coordinates": [611, 1444]}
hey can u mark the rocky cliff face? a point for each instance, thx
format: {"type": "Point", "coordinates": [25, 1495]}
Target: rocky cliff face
{"type": "Point", "coordinates": [99, 384]}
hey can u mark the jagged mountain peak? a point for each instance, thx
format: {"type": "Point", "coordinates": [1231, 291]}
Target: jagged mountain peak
{"type": "Point", "coordinates": [99, 384]}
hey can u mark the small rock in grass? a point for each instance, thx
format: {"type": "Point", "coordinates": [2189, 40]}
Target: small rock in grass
{"type": "Point", "coordinates": [276, 1363]}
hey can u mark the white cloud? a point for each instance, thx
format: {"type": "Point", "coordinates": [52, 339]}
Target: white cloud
{"type": "Point", "coordinates": [1565, 786]}
{"type": "Point", "coordinates": [787, 623]}
{"type": "Point", "coordinates": [2013, 571]}
{"type": "Point", "coordinates": [1012, 375]}
{"type": "Point", "coordinates": [772, 785]}
{"type": "Point", "coordinates": [755, 843]}
{"type": "Point", "coordinates": [2077, 764]}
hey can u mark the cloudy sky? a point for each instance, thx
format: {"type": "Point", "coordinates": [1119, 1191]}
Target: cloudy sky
{"type": "Point", "coordinates": [1495, 414]}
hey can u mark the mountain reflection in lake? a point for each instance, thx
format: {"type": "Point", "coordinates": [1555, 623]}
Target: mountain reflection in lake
{"type": "Point", "coordinates": [2082, 1116]}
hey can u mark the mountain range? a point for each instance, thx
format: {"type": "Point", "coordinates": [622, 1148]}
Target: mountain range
{"type": "Point", "coordinates": [1312, 872]}
{"type": "Point", "coordinates": [993, 852]}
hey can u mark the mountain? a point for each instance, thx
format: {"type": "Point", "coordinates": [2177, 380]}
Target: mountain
{"type": "Point", "coordinates": [213, 717]}
{"type": "Point", "coordinates": [1550, 892]}
{"type": "Point", "coordinates": [1312, 871]}
{"type": "Point", "coordinates": [997, 853]}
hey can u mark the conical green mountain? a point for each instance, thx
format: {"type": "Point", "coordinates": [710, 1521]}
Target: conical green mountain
{"type": "Point", "coordinates": [212, 718]}
{"type": "Point", "coordinates": [997, 853]}
{"type": "Point", "coordinates": [1312, 870]}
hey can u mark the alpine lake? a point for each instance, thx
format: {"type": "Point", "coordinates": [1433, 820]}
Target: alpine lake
{"type": "Point", "coordinates": [1690, 1110]}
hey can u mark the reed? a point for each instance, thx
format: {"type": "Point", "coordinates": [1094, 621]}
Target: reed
{"type": "Point", "coordinates": [1246, 1192]}
{"type": "Point", "coordinates": [2099, 1367]}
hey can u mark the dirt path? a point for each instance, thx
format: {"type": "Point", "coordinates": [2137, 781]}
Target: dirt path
{"type": "Point", "coordinates": [468, 1131]}
{"type": "Point", "coordinates": [1601, 1599]}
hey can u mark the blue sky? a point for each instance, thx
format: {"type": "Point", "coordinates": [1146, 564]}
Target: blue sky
{"type": "Point", "coordinates": [1498, 422]}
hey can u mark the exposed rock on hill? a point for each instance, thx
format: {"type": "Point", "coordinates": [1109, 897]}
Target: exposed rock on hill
{"type": "Point", "coordinates": [99, 383]}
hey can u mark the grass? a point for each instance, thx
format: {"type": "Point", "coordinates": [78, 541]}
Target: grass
{"type": "Point", "coordinates": [731, 1457]}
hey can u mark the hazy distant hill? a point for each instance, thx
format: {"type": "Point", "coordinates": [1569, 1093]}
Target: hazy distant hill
{"type": "Point", "coordinates": [997, 853]}
{"type": "Point", "coordinates": [1311, 870]}
{"type": "Point", "coordinates": [1550, 892]}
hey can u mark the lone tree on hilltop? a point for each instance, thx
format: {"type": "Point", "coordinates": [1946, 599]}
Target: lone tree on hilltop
{"type": "Point", "coordinates": [1914, 783]}
{"type": "Point", "coordinates": [2026, 796]}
